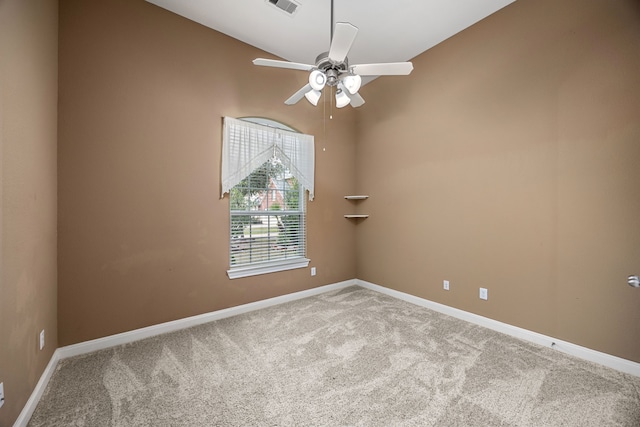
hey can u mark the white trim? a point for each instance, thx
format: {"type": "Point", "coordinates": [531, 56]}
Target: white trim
{"type": "Point", "coordinates": [176, 325]}
{"type": "Point", "coordinates": [30, 406]}
{"type": "Point", "coordinates": [163, 328]}
{"type": "Point", "coordinates": [610, 361]}
{"type": "Point", "coordinates": [272, 267]}
{"type": "Point", "coordinates": [268, 122]}
{"type": "Point", "coordinates": [618, 363]}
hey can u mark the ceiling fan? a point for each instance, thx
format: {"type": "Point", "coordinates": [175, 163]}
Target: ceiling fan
{"type": "Point", "coordinates": [332, 69]}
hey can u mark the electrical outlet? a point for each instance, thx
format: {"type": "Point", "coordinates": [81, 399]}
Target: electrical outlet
{"type": "Point", "coordinates": [484, 293]}
{"type": "Point", "coordinates": [1, 394]}
{"type": "Point", "coordinates": [313, 271]}
{"type": "Point", "coordinates": [445, 285]}
{"type": "Point", "coordinates": [41, 339]}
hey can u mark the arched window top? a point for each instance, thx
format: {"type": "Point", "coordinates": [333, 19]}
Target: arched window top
{"type": "Point", "coordinates": [269, 122]}
{"type": "Point", "coordinates": [248, 144]}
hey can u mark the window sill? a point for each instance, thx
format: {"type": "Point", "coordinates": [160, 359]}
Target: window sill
{"type": "Point", "coordinates": [271, 267]}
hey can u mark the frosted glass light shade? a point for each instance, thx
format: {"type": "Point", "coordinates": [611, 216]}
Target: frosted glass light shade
{"type": "Point", "coordinates": [317, 79]}
{"type": "Point", "coordinates": [342, 100]}
{"type": "Point", "coordinates": [313, 96]}
{"type": "Point", "coordinates": [352, 83]}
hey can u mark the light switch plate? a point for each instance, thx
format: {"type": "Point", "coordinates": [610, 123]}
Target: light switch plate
{"type": "Point", "coordinates": [1, 394]}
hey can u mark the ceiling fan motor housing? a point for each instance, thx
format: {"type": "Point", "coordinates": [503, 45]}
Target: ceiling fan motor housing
{"type": "Point", "coordinates": [330, 68]}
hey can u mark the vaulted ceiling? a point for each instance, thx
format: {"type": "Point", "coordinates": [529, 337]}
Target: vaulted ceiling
{"type": "Point", "coordinates": [389, 30]}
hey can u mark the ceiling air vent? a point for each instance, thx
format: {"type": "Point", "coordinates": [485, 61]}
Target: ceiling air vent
{"type": "Point", "coordinates": [287, 6]}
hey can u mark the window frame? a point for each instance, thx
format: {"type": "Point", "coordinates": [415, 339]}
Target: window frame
{"type": "Point", "coordinates": [282, 264]}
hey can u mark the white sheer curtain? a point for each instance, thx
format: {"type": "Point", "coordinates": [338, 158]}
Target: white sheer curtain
{"type": "Point", "coordinates": [246, 146]}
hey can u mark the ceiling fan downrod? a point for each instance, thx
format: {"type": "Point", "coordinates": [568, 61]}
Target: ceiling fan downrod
{"type": "Point", "coordinates": [331, 24]}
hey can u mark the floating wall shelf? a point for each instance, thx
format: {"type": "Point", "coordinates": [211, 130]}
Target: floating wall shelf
{"type": "Point", "coordinates": [357, 197]}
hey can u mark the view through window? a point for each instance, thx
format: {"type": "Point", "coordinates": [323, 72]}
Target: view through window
{"type": "Point", "coordinates": [267, 216]}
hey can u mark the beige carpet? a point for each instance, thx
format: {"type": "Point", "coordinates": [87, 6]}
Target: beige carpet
{"type": "Point", "coordinates": [350, 357]}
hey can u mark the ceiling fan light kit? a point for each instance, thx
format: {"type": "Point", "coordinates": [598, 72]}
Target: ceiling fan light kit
{"type": "Point", "coordinates": [342, 100]}
{"type": "Point", "coordinates": [352, 83]}
{"type": "Point", "coordinates": [313, 96]}
{"type": "Point", "coordinates": [317, 79]}
{"type": "Point", "coordinates": [332, 69]}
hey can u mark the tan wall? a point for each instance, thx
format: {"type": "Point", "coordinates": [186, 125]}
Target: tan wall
{"type": "Point", "coordinates": [515, 158]}
{"type": "Point", "coordinates": [517, 144]}
{"type": "Point", "coordinates": [143, 234]}
{"type": "Point", "coordinates": [28, 122]}
{"type": "Point", "coordinates": [510, 159]}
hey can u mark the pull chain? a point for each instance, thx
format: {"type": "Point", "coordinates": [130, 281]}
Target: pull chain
{"type": "Point", "coordinates": [331, 103]}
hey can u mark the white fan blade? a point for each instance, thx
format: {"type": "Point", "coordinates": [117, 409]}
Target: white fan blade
{"type": "Point", "coordinates": [298, 95]}
{"type": "Point", "coordinates": [282, 64]}
{"type": "Point", "coordinates": [343, 36]}
{"type": "Point", "coordinates": [356, 99]}
{"type": "Point", "coordinates": [384, 69]}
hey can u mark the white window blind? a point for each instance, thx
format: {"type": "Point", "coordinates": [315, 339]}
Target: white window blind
{"type": "Point", "coordinates": [266, 197]}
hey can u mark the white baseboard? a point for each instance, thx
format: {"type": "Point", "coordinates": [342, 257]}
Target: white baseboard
{"type": "Point", "coordinates": [176, 325]}
{"type": "Point", "coordinates": [163, 328]}
{"type": "Point", "coordinates": [584, 353]}
{"type": "Point", "coordinates": [614, 362]}
{"type": "Point", "coordinates": [30, 406]}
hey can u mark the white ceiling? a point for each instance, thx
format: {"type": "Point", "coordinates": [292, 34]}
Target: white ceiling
{"type": "Point", "coordinates": [389, 30]}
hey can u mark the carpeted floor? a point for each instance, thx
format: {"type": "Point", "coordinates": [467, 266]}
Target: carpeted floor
{"type": "Point", "coordinates": [350, 357]}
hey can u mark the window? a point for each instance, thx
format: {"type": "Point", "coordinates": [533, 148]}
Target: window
{"type": "Point", "coordinates": [267, 217]}
{"type": "Point", "coordinates": [266, 171]}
